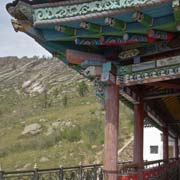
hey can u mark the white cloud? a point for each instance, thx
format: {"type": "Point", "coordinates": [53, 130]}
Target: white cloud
{"type": "Point", "coordinates": [15, 44]}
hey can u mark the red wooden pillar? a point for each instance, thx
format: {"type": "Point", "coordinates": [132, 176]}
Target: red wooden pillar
{"type": "Point", "coordinates": [139, 135]}
{"type": "Point", "coordinates": [176, 148]}
{"type": "Point", "coordinates": [111, 132]}
{"type": "Point", "coordinates": [165, 149]}
{"type": "Point", "coordinates": [177, 154]}
{"type": "Point", "coordinates": [165, 144]}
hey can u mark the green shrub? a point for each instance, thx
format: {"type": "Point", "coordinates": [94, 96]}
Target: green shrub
{"type": "Point", "coordinates": [3, 153]}
{"type": "Point", "coordinates": [94, 131]}
{"type": "Point", "coordinates": [65, 100]}
{"type": "Point", "coordinates": [71, 134]}
{"type": "Point", "coordinates": [82, 88]}
{"type": "Point", "coordinates": [44, 142]}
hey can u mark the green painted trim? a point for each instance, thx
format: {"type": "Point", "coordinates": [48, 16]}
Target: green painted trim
{"type": "Point", "coordinates": [143, 19]}
{"type": "Point", "coordinates": [148, 66]}
{"type": "Point", "coordinates": [89, 36]}
{"type": "Point", "coordinates": [153, 73]}
{"type": "Point", "coordinates": [170, 27]}
{"type": "Point", "coordinates": [116, 24]}
{"type": "Point", "coordinates": [91, 27]}
{"type": "Point", "coordinates": [81, 9]}
{"type": "Point", "coordinates": [177, 15]}
{"type": "Point", "coordinates": [66, 30]}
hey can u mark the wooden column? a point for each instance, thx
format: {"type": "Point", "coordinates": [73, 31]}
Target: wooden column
{"type": "Point", "coordinates": [138, 133]}
{"type": "Point", "coordinates": [111, 132]}
{"type": "Point", "coordinates": [176, 148]}
{"type": "Point", "coordinates": [165, 144]}
{"type": "Point", "coordinates": [139, 136]}
{"type": "Point", "coordinates": [165, 149]}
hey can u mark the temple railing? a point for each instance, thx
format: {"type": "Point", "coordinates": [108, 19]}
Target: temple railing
{"type": "Point", "coordinates": [153, 170]}
{"type": "Point", "coordinates": [93, 172]}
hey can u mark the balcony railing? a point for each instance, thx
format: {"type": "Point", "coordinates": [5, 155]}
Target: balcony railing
{"type": "Point", "coordinates": [154, 170]}
{"type": "Point", "coordinates": [93, 172]}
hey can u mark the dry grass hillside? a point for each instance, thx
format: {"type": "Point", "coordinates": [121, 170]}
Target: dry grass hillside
{"type": "Point", "coordinates": [45, 118]}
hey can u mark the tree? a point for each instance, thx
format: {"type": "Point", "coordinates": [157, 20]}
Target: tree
{"type": "Point", "coordinates": [46, 99]}
{"type": "Point", "coordinates": [82, 88]}
{"type": "Point", "coordinates": [65, 100]}
{"type": "Point", "coordinates": [56, 92]}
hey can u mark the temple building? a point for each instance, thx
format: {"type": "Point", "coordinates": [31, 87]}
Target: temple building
{"type": "Point", "coordinates": [153, 145]}
{"type": "Point", "coordinates": [130, 50]}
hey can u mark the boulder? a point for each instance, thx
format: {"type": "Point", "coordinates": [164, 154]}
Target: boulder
{"type": "Point", "coordinates": [44, 159]}
{"type": "Point", "coordinates": [32, 129]}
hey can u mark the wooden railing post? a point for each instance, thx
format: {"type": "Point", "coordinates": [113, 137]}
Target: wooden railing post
{"type": "Point", "coordinates": [61, 173]}
{"type": "Point", "coordinates": [95, 173]}
{"type": "Point", "coordinates": [36, 176]}
{"type": "Point", "coordinates": [1, 175]}
{"type": "Point", "coordinates": [80, 172]}
{"type": "Point", "coordinates": [1, 172]}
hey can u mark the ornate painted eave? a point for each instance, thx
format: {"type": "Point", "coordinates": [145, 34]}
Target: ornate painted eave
{"type": "Point", "coordinates": [59, 3]}
{"type": "Point", "coordinates": [134, 27]}
{"type": "Point", "coordinates": [87, 11]}
{"type": "Point", "coordinates": [67, 11]}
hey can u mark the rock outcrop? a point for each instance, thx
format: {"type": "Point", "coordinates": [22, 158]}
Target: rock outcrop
{"type": "Point", "coordinates": [32, 129]}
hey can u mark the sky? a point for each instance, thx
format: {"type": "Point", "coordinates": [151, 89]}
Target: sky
{"type": "Point", "coordinates": [16, 44]}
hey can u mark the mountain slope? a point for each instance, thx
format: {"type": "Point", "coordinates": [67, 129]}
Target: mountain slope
{"type": "Point", "coordinates": [44, 94]}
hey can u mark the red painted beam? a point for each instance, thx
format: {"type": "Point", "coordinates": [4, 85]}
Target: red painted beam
{"type": "Point", "coordinates": [161, 96]}
{"type": "Point", "coordinates": [77, 57]}
{"type": "Point", "coordinates": [111, 132]}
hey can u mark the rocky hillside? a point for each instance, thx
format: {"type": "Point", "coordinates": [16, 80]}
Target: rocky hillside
{"type": "Point", "coordinates": [50, 116]}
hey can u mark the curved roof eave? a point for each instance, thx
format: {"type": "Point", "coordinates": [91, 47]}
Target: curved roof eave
{"type": "Point", "coordinates": [37, 2]}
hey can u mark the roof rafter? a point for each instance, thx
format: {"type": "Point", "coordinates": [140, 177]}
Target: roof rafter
{"type": "Point", "coordinates": [165, 85]}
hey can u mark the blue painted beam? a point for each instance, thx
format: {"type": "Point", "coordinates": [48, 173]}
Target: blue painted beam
{"type": "Point", "coordinates": [53, 35]}
{"type": "Point", "coordinates": [134, 27]}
